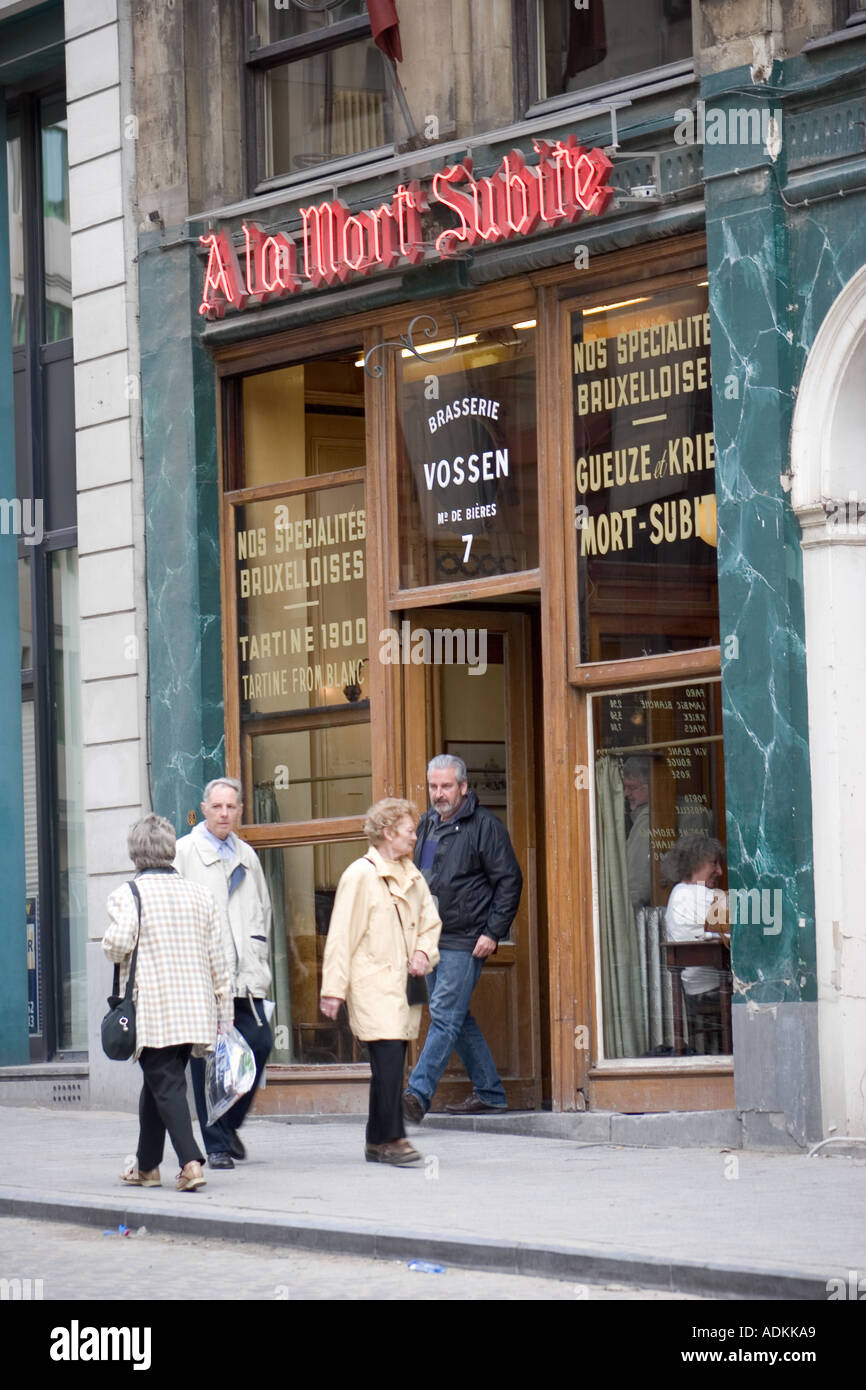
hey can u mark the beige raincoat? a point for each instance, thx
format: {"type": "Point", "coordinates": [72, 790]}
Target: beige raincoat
{"type": "Point", "coordinates": [368, 949]}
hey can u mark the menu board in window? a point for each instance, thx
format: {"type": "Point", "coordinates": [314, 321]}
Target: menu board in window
{"type": "Point", "coordinates": [302, 601]}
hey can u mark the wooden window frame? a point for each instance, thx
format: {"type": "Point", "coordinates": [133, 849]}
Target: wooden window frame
{"type": "Point", "coordinates": [604, 1068]}
{"type": "Point", "coordinates": [238, 751]}
{"type": "Point", "coordinates": [599, 675]}
{"type": "Point", "coordinates": [516, 300]}
{"type": "Point", "coordinates": [293, 721]}
{"type": "Point", "coordinates": [658, 1083]}
{"type": "Point", "coordinates": [233, 363]}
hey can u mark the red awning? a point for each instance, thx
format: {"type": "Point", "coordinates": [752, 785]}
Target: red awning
{"type": "Point", "coordinates": [386, 28]}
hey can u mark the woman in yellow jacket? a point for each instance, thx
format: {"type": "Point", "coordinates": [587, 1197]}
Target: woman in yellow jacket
{"type": "Point", "coordinates": [384, 927]}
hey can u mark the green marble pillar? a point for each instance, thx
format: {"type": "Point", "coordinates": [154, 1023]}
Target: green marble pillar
{"type": "Point", "coordinates": [182, 528]}
{"type": "Point", "coordinates": [762, 624]}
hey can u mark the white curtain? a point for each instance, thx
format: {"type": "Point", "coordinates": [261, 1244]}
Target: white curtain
{"type": "Point", "coordinates": [658, 1008]}
{"type": "Point", "coordinates": [623, 955]}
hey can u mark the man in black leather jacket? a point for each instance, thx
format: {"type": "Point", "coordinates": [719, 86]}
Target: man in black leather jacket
{"type": "Point", "coordinates": [465, 854]}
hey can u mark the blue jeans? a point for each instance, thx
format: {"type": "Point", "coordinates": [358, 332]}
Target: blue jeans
{"type": "Point", "coordinates": [452, 1027]}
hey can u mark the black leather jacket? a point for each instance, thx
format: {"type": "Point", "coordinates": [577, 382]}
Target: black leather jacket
{"type": "Point", "coordinates": [476, 878]}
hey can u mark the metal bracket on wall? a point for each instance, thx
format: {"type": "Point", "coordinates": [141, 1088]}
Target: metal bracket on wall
{"type": "Point", "coordinates": [639, 192]}
{"type": "Point", "coordinates": [406, 343]}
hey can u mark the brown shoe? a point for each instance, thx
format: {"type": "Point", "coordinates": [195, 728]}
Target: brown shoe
{"type": "Point", "coordinates": [134, 1176]}
{"type": "Point", "coordinates": [399, 1153]}
{"type": "Point", "coordinates": [190, 1177]}
{"type": "Point", "coordinates": [474, 1105]}
{"type": "Point", "coordinates": [413, 1110]}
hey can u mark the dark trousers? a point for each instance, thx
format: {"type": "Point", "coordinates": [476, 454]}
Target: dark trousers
{"type": "Point", "coordinates": [385, 1121]}
{"type": "Point", "coordinates": [260, 1038]}
{"type": "Point", "coordinates": [163, 1106]}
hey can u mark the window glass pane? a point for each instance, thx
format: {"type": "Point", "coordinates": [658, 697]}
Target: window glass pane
{"type": "Point", "coordinates": [16, 237]}
{"type": "Point", "coordinates": [31, 869]}
{"type": "Point", "coordinates": [645, 524]}
{"type": "Point", "coordinates": [302, 882]}
{"type": "Point", "coordinates": [467, 458]}
{"type": "Point", "coordinates": [312, 774]}
{"type": "Point", "coordinates": [474, 714]}
{"type": "Point", "coordinates": [609, 39]}
{"type": "Point", "coordinates": [659, 782]}
{"type": "Point", "coordinates": [290, 20]}
{"type": "Point", "coordinates": [71, 866]}
{"type": "Point", "coordinates": [303, 421]}
{"type": "Point", "coordinates": [25, 612]}
{"type": "Point", "coordinates": [302, 601]}
{"type": "Point", "coordinates": [55, 228]}
{"type": "Point", "coordinates": [327, 106]}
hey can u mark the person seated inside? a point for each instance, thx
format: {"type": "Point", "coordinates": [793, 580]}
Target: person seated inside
{"type": "Point", "coordinates": [697, 909]}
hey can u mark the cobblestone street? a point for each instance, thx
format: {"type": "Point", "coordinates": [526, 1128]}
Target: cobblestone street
{"type": "Point", "coordinates": [76, 1262]}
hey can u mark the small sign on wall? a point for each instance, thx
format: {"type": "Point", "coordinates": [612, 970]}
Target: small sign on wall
{"type": "Point", "coordinates": [33, 1009]}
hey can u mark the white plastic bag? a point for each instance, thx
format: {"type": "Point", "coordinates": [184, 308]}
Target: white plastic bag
{"type": "Point", "coordinates": [229, 1074]}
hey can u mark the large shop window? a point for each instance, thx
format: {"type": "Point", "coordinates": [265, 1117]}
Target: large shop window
{"type": "Point", "coordinates": [647, 611]}
{"type": "Point", "coordinates": [645, 514]}
{"type": "Point", "coordinates": [659, 784]}
{"type": "Point", "coordinates": [608, 41]}
{"type": "Point", "coordinates": [297, 666]}
{"type": "Point", "coordinates": [467, 475]}
{"type": "Point", "coordinates": [320, 86]}
{"type": "Point", "coordinates": [53, 917]}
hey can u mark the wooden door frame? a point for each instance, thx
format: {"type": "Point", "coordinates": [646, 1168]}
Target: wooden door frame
{"type": "Point", "coordinates": [525, 1089]}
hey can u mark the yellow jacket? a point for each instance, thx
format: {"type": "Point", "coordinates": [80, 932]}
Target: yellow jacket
{"type": "Point", "coordinates": [368, 950]}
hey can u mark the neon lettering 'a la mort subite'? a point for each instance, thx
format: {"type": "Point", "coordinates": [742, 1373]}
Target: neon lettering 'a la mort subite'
{"type": "Point", "coordinates": [333, 244]}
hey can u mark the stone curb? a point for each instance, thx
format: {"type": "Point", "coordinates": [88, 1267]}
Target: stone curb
{"type": "Point", "coordinates": [472, 1252]}
{"type": "Point", "coordinates": [688, 1130]}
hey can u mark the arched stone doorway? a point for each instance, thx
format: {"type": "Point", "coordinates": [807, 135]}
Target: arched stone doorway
{"type": "Point", "coordinates": [828, 461]}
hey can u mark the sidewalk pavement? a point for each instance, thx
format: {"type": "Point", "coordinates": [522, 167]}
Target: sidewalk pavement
{"type": "Point", "coordinates": [707, 1221]}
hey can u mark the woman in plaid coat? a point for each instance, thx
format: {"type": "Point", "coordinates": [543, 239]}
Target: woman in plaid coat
{"type": "Point", "coordinates": [182, 990]}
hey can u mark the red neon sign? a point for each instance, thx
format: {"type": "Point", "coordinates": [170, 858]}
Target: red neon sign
{"type": "Point", "coordinates": [567, 181]}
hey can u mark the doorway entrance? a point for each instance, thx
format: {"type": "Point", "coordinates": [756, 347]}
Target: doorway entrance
{"type": "Point", "coordinates": [470, 693]}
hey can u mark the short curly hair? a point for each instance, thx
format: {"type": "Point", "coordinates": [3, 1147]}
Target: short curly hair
{"type": "Point", "coordinates": [151, 843]}
{"type": "Point", "coordinates": [386, 815]}
{"type": "Point", "coordinates": [687, 855]}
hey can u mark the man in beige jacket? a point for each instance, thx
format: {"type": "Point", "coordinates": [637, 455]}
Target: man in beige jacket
{"type": "Point", "coordinates": [214, 856]}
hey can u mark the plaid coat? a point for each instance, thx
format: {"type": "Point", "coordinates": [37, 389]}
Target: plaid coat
{"type": "Point", "coordinates": [182, 982]}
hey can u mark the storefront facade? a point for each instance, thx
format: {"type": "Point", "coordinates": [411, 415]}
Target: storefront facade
{"type": "Point", "coordinates": [447, 447]}
{"type": "Point", "coordinates": [494, 602]}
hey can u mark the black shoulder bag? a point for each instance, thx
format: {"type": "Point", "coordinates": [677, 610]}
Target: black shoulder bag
{"type": "Point", "coordinates": [118, 1026]}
